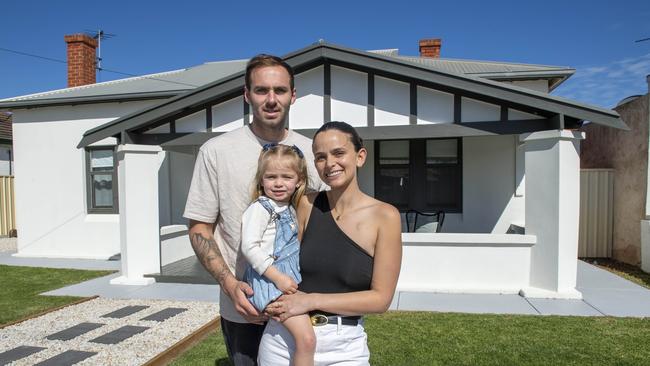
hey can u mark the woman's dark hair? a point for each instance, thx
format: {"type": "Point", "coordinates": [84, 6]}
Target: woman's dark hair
{"type": "Point", "coordinates": [345, 128]}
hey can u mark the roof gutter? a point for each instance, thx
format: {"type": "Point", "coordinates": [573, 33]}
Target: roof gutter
{"type": "Point", "coordinates": [111, 98]}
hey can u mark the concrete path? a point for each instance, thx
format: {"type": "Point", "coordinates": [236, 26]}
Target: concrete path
{"type": "Point", "coordinates": [604, 294]}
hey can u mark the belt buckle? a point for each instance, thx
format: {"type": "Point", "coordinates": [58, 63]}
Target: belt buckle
{"type": "Point", "coordinates": [318, 320]}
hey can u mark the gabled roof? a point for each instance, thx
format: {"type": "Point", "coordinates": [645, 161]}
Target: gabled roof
{"type": "Point", "coordinates": [321, 53]}
{"type": "Point", "coordinates": [5, 127]}
{"type": "Point", "coordinates": [171, 83]}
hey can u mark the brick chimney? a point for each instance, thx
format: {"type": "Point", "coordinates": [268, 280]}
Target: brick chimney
{"type": "Point", "coordinates": [81, 59]}
{"type": "Point", "coordinates": [430, 47]}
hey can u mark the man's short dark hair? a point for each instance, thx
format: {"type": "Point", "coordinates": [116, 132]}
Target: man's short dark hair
{"type": "Point", "coordinates": [264, 60]}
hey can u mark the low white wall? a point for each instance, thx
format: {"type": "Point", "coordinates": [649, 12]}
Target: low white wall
{"type": "Point", "coordinates": [50, 182]}
{"type": "Point", "coordinates": [174, 244]}
{"type": "Point", "coordinates": [468, 263]}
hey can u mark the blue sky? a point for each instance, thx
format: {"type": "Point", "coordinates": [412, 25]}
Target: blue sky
{"type": "Point", "coordinates": [595, 37]}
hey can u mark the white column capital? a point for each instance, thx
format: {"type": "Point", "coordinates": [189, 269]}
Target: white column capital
{"type": "Point", "coordinates": [552, 134]}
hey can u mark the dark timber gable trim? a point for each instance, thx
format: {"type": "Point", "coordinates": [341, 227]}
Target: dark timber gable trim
{"type": "Point", "coordinates": [544, 105]}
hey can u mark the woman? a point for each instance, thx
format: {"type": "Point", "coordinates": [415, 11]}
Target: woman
{"type": "Point", "coordinates": [350, 258]}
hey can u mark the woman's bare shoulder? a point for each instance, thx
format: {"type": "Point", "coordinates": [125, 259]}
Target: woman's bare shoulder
{"type": "Point", "coordinates": [384, 211]}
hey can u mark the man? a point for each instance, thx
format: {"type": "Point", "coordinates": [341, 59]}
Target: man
{"type": "Point", "coordinates": [221, 191]}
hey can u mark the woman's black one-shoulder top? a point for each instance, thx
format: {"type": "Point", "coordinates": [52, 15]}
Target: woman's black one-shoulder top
{"type": "Point", "coordinates": [331, 262]}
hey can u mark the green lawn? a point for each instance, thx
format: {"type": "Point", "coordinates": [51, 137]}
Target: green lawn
{"type": "Point", "coordinates": [20, 286]}
{"type": "Point", "coordinates": [419, 338]}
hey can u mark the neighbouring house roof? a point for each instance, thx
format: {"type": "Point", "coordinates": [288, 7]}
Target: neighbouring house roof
{"type": "Point", "coordinates": [5, 127]}
{"type": "Point", "coordinates": [171, 83]}
{"type": "Point", "coordinates": [507, 95]}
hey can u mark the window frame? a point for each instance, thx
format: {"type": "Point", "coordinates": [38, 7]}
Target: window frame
{"type": "Point", "coordinates": [417, 175]}
{"type": "Point", "coordinates": [89, 182]}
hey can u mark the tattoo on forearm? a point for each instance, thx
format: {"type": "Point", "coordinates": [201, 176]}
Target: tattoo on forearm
{"type": "Point", "coordinates": [208, 252]}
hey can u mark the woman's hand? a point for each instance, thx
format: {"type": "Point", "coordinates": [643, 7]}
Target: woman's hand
{"type": "Point", "coordinates": [287, 306]}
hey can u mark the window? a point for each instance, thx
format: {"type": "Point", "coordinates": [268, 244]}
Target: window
{"type": "Point", "coordinates": [101, 180]}
{"type": "Point", "coordinates": [422, 174]}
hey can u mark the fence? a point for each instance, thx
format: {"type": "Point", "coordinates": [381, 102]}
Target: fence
{"type": "Point", "coordinates": [596, 213]}
{"type": "Point", "coordinates": [7, 206]}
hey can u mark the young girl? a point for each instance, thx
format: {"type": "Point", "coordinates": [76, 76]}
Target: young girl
{"type": "Point", "coordinates": [270, 238]}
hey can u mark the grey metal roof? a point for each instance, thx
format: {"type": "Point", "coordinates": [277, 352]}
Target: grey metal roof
{"type": "Point", "coordinates": [496, 70]}
{"type": "Point", "coordinates": [501, 93]}
{"type": "Point", "coordinates": [158, 85]}
{"type": "Point", "coordinates": [171, 83]}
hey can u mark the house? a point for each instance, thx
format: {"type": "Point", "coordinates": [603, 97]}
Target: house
{"type": "Point", "coordinates": [627, 153]}
{"type": "Point", "coordinates": [105, 168]}
{"type": "Point", "coordinates": [6, 153]}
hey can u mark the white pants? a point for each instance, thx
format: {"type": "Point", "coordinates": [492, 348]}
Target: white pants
{"type": "Point", "coordinates": [344, 345]}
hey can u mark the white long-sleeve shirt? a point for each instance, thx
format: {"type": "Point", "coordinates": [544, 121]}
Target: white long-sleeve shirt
{"type": "Point", "coordinates": [258, 234]}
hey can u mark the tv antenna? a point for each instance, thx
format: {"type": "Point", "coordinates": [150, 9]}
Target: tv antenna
{"type": "Point", "coordinates": [99, 35]}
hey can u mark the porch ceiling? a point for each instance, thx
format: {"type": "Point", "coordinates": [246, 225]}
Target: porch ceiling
{"type": "Point", "coordinates": [558, 111]}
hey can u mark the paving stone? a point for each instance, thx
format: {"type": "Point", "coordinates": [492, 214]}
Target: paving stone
{"type": "Point", "coordinates": [18, 353]}
{"type": "Point", "coordinates": [74, 331]}
{"type": "Point", "coordinates": [67, 358]}
{"type": "Point", "coordinates": [164, 314]}
{"type": "Point", "coordinates": [119, 334]}
{"type": "Point", "coordinates": [125, 311]}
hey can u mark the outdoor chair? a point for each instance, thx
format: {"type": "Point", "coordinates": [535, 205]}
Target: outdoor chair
{"type": "Point", "coordinates": [431, 222]}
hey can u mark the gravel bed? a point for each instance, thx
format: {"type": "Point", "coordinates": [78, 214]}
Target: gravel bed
{"type": "Point", "coordinates": [8, 245]}
{"type": "Point", "coordinates": [133, 351]}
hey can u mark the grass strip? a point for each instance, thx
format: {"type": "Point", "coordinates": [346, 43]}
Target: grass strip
{"type": "Point", "coordinates": [426, 338]}
{"type": "Point", "coordinates": [20, 288]}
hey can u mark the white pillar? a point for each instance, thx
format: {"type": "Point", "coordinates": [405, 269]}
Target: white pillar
{"type": "Point", "coordinates": [138, 205]}
{"type": "Point", "coordinates": [552, 166]}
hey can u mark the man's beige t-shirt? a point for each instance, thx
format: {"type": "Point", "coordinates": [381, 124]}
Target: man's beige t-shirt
{"type": "Point", "coordinates": [221, 191]}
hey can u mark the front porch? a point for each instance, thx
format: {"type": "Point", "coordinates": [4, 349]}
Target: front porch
{"type": "Point", "coordinates": [492, 156]}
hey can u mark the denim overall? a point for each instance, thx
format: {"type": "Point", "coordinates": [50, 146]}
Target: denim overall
{"type": "Point", "coordinates": [286, 249]}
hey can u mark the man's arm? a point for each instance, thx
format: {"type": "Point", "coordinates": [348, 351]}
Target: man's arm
{"type": "Point", "coordinates": [208, 253]}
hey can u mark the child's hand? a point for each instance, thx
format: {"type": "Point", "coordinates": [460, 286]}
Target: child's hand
{"type": "Point", "coordinates": [286, 284]}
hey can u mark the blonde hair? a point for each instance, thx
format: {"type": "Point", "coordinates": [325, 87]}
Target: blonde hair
{"type": "Point", "coordinates": [297, 162]}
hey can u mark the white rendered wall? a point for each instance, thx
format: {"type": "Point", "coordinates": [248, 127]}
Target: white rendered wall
{"type": "Point", "coordinates": [469, 263]}
{"type": "Point", "coordinates": [515, 115]}
{"type": "Point", "coordinates": [366, 175]}
{"type": "Point", "coordinates": [50, 182]}
{"type": "Point", "coordinates": [160, 129]}
{"type": "Point", "coordinates": [349, 96]}
{"type": "Point", "coordinates": [174, 244]}
{"type": "Point", "coordinates": [192, 123]}
{"type": "Point", "coordinates": [307, 111]}
{"type": "Point", "coordinates": [392, 102]}
{"type": "Point", "coordinates": [489, 202]}
{"type": "Point", "coordinates": [6, 166]}
{"type": "Point", "coordinates": [473, 110]}
{"type": "Point", "coordinates": [228, 115]}
{"type": "Point", "coordinates": [434, 106]}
